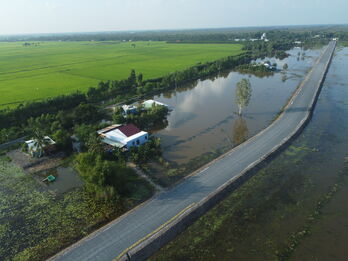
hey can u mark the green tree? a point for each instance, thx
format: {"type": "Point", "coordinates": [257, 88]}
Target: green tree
{"type": "Point", "coordinates": [140, 79]}
{"type": "Point", "coordinates": [118, 117]}
{"type": "Point", "coordinates": [62, 139]}
{"type": "Point", "coordinates": [83, 132]}
{"type": "Point", "coordinates": [94, 144]}
{"type": "Point", "coordinates": [146, 152]}
{"type": "Point", "coordinates": [149, 86]}
{"type": "Point", "coordinates": [132, 79]}
{"type": "Point", "coordinates": [243, 94]}
{"type": "Point", "coordinates": [86, 113]}
{"type": "Point", "coordinates": [106, 180]}
{"type": "Point", "coordinates": [37, 130]}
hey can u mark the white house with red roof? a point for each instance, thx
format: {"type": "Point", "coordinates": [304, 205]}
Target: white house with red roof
{"type": "Point", "coordinates": [123, 136]}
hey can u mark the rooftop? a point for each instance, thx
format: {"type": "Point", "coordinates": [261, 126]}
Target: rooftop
{"type": "Point", "coordinates": [129, 129]}
{"type": "Point", "coordinates": [119, 135]}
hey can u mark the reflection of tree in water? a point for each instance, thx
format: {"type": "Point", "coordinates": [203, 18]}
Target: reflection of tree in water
{"type": "Point", "coordinates": [159, 126]}
{"type": "Point", "coordinates": [240, 130]}
{"type": "Point", "coordinates": [179, 88]}
{"type": "Point", "coordinates": [168, 94]}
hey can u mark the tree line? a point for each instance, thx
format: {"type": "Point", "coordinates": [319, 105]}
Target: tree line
{"type": "Point", "coordinates": [146, 119]}
{"type": "Point", "coordinates": [14, 122]}
{"type": "Point", "coordinates": [199, 35]}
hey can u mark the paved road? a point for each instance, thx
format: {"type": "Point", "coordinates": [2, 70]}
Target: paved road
{"type": "Point", "coordinates": [13, 142]}
{"type": "Point", "coordinates": [112, 240]}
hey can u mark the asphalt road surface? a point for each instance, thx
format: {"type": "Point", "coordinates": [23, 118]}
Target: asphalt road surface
{"type": "Point", "coordinates": [109, 242]}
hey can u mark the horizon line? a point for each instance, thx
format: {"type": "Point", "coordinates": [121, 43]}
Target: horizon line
{"type": "Point", "coordinates": [168, 29]}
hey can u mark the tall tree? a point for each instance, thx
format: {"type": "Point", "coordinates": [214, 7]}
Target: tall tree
{"type": "Point", "coordinates": [243, 94]}
{"type": "Point", "coordinates": [140, 79]}
{"type": "Point", "coordinates": [132, 79]}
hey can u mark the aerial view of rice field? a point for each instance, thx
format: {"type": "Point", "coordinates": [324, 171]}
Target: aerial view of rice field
{"type": "Point", "coordinates": [37, 70]}
{"type": "Point", "coordinates": [173, 130]}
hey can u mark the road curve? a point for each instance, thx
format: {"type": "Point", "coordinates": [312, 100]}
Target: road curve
{"type": "Point", "coordinates": [110, 241]}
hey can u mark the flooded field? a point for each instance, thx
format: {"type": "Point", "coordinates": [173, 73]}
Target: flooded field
{"type": "Point", "coordinates": [204, 116]}
{"type": "Point", "coordinates": [38, 218]}
{"type": "Point", "coordinates": [293, 209]}
{"type": "Point", "coordinates": [66, 179]}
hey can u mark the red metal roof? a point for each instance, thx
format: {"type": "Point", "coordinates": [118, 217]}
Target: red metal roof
{"type": "Point", "coordinates": [129, 129]}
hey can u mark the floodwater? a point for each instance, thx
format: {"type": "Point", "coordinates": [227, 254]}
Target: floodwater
{"type": "Point", "coordinates": [293, 209]}
{"type": "Point", "coordinates": [66, 179]}
{"type": "Point", "coordinates": [328, 239]}
{"type": "Point", "coordinates": [204, 116]}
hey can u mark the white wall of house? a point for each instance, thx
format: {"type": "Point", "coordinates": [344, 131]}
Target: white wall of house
{"type": "Point", "coordinates": [137, 140]}
{"type": "Point", "coordinates": [116, 138]}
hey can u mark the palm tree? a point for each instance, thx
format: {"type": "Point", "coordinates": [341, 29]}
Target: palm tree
{"type": "Point", "coordinates": [38, 135]}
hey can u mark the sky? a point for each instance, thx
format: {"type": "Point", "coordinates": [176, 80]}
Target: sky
{"type": "Point", "coordinates": [57, 16]}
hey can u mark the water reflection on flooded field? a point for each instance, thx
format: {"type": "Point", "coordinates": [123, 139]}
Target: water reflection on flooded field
{"type": "Point", "coordinates": [293, 209]}
{"type": "Point", "coordinates": [204, 116]}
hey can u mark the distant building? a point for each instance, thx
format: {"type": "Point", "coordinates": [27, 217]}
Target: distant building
{"type": "Point", "coordinates": [128, 109]}
{"type": "Point", "coordinates": [263, 37]}
{"type": "Point", "coordinates": [123, 136]}
{"type": "Point", "coordinates": [33, 148]}
{"type": "Point", "coordinates": [269, 66]}
{"type": "Point", "coordinates": [149, 103]}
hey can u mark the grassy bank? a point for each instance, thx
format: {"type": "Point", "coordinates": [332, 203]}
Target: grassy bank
{"type": "Point", "coordinates": [47, 69]}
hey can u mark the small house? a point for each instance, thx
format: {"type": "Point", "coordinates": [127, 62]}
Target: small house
{"type": "Point", "coordinates": [34, 148]}
{"type": "Point", "coordinates": [150, 103]}
{"type": "Point", "coordinates": [269, 66]}
{"type": "Point", "coordinates": [128, 109]}
{"type": "Point", "coordinates": [123, 136]}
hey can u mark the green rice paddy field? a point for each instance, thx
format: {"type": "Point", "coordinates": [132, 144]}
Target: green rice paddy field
{"type": "Point", "coordinates": [52, 68]}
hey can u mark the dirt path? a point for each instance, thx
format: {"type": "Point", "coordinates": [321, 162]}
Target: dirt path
{"type": "Point", "coordinates": [143, 175]}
